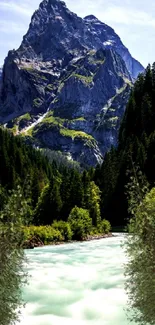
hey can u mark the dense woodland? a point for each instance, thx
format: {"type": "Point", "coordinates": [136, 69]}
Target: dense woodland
{"type": "Point", "coordinates": [54, 192]}
{"type": "Point", "coordinates": [54, 189]}
{"type": "Point", "coordinates": [136, 148]}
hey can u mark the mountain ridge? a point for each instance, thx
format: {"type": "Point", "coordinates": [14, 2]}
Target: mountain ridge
{"type": "Point", "coordinates": [65, 70]}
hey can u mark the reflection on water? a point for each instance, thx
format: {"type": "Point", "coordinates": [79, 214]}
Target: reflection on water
{"type": "Point", "coordinates": [79, 284]}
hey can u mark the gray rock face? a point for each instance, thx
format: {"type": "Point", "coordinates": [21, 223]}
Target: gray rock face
{"type": "Point", "coordinates": [106, 37]}
{"type": "Point", "coordinates": [68, 83]}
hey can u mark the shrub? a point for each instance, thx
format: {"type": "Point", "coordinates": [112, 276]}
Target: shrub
{"type": "Point", "coordinates": [64, 228]}
{"type": "Point", "coordinates": [104, 226]}
{"type": "Point", "coordinates": [94, 231]}
{"type": "Point", "coordinates": [46, 234]}
{"type": "Point", "coordinates": [12, 257]}
{"type": "Point", "coordinates": [80, 223]}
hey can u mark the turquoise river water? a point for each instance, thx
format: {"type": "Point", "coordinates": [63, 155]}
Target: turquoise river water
{"type": "Point", "coordinates": [76, 284]}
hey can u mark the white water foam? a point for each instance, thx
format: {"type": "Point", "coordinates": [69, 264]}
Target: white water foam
{"type": "Point", "coordinates": [80, 283]}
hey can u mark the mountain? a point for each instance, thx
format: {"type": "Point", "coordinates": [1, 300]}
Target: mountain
{"type": "Point", "coordinates": [67, 85]}
{"type": "Point", "coordinates": [106, 36]}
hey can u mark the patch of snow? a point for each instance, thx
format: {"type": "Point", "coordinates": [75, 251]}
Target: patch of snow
{"type": "Point", "coordinates": [77, 58]}
{"type": "Point", "coordinates": [109, 42]}
{"type": "Point", "coordinates": [98, 23]}
{"type": "Point", "coordinates": [58, 17]}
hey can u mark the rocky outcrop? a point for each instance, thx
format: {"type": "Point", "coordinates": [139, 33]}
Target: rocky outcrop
{"type": "Point", "coordinates": [32, 242]}
{"type": "Point", "coordinates": [106, 37]}
{"type": "Point", "coordinates": [67, 85]}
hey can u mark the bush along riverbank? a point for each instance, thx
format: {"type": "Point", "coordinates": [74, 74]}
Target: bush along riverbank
{"type": "Point", "coordinates": [79, 227]}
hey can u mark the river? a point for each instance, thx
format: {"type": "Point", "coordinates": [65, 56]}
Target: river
{"type": "Point", "coordinates": [76, 284]}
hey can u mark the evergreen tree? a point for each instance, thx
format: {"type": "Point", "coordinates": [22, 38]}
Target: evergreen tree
{"type": "Point", "coordinates": [49, 204]}
{"type": "Point", "coordinates": [94, 204]}
{"type": "Point", "coordinates": [135, 145]}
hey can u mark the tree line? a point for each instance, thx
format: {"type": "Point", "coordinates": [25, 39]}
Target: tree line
{"type": "Point", "coordinates": [52, 189]}
{"type": "Point", "coordinates": [136, 147]}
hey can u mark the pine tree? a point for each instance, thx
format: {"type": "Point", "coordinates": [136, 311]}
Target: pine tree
{"type": "Point", "coordinates": [94, 204]}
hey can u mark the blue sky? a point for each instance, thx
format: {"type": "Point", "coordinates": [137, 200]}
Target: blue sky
{"type": "Point", "coordinates": [133, 20]}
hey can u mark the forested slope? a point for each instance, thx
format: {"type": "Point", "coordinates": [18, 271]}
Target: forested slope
{"type": "Point", "coordinates": [136, 148]}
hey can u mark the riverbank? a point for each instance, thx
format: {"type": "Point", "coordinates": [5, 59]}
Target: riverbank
{"type": "Point", "coordinates": [35, 242]}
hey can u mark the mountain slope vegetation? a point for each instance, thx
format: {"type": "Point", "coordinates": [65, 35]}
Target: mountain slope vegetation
{"type": "Point", "coordinates": [136, 149]}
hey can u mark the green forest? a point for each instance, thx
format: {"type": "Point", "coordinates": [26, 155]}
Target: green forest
{"type": "Point", "coordinates": [136, 149]}
{"type": "Point", "coordinates": [57, 193]}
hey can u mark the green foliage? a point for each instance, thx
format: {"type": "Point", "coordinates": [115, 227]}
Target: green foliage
{"type": "Point", "coordinates": [140, 249]}
{"type": "Point", "coordinates": [28, 68]}
{"type": "Point", "coordinates": [75, 134]}
{"type": "Point", "coordinates": [50, 119]}
{"type": "Point", "coordinates": [28, 133]}
{"type": "Point", "coordinates": [47, 234]}
{"type": "Point", "coordinates": [50, 87]}
{"type": "Point", "coordinates": [85, 79]}
{"type": "Point", "coordinates": [36, 102]}
{"type": "Point", "coordinates": [104, 227]}
{"type": "Point", "coordinates": [61, 159]}
{"type": "Point", "coordinates": [25, 117]}
{"type": "Point", "coordinates": [60, 87]}
{"type": "Point", "coordinates": [64, 228]}
{"type": "Point", "coordinates": [94, 204]}
{"type": "Point", "coordinates": [49, 204]}
{"type": "Point", "coordinates": [111, 122]}
{"type": "Point", "coordinates": [136, 145]}
{"type": "Point", "coordinates": [97, 61]}
{"type": "Point", "coordinates": [82, 119]}
{"type": "Point", "coordinates": [80, 223]}
{"type": "Point", "coordinates": [55, 186]}
{"type": "Point", "coordinates": [96, 58]}
{"type": "Point", "coordinates": [19, 162]}
{"type": "Point", "coordinates": [12, 274]}
{"type": "Point", "coordinates": [3, 197]}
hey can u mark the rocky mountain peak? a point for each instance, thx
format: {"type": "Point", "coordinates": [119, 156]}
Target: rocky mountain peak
{"type": "Point", "coordinates": [68, 83]}
{"type": "Point", "coordinates": [54, 31]}
{"type": "Point", "coordinates": [90, 18]}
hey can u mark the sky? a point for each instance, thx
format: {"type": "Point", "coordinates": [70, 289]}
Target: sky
{"type": "Point", "coordinates": [133, 21]}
